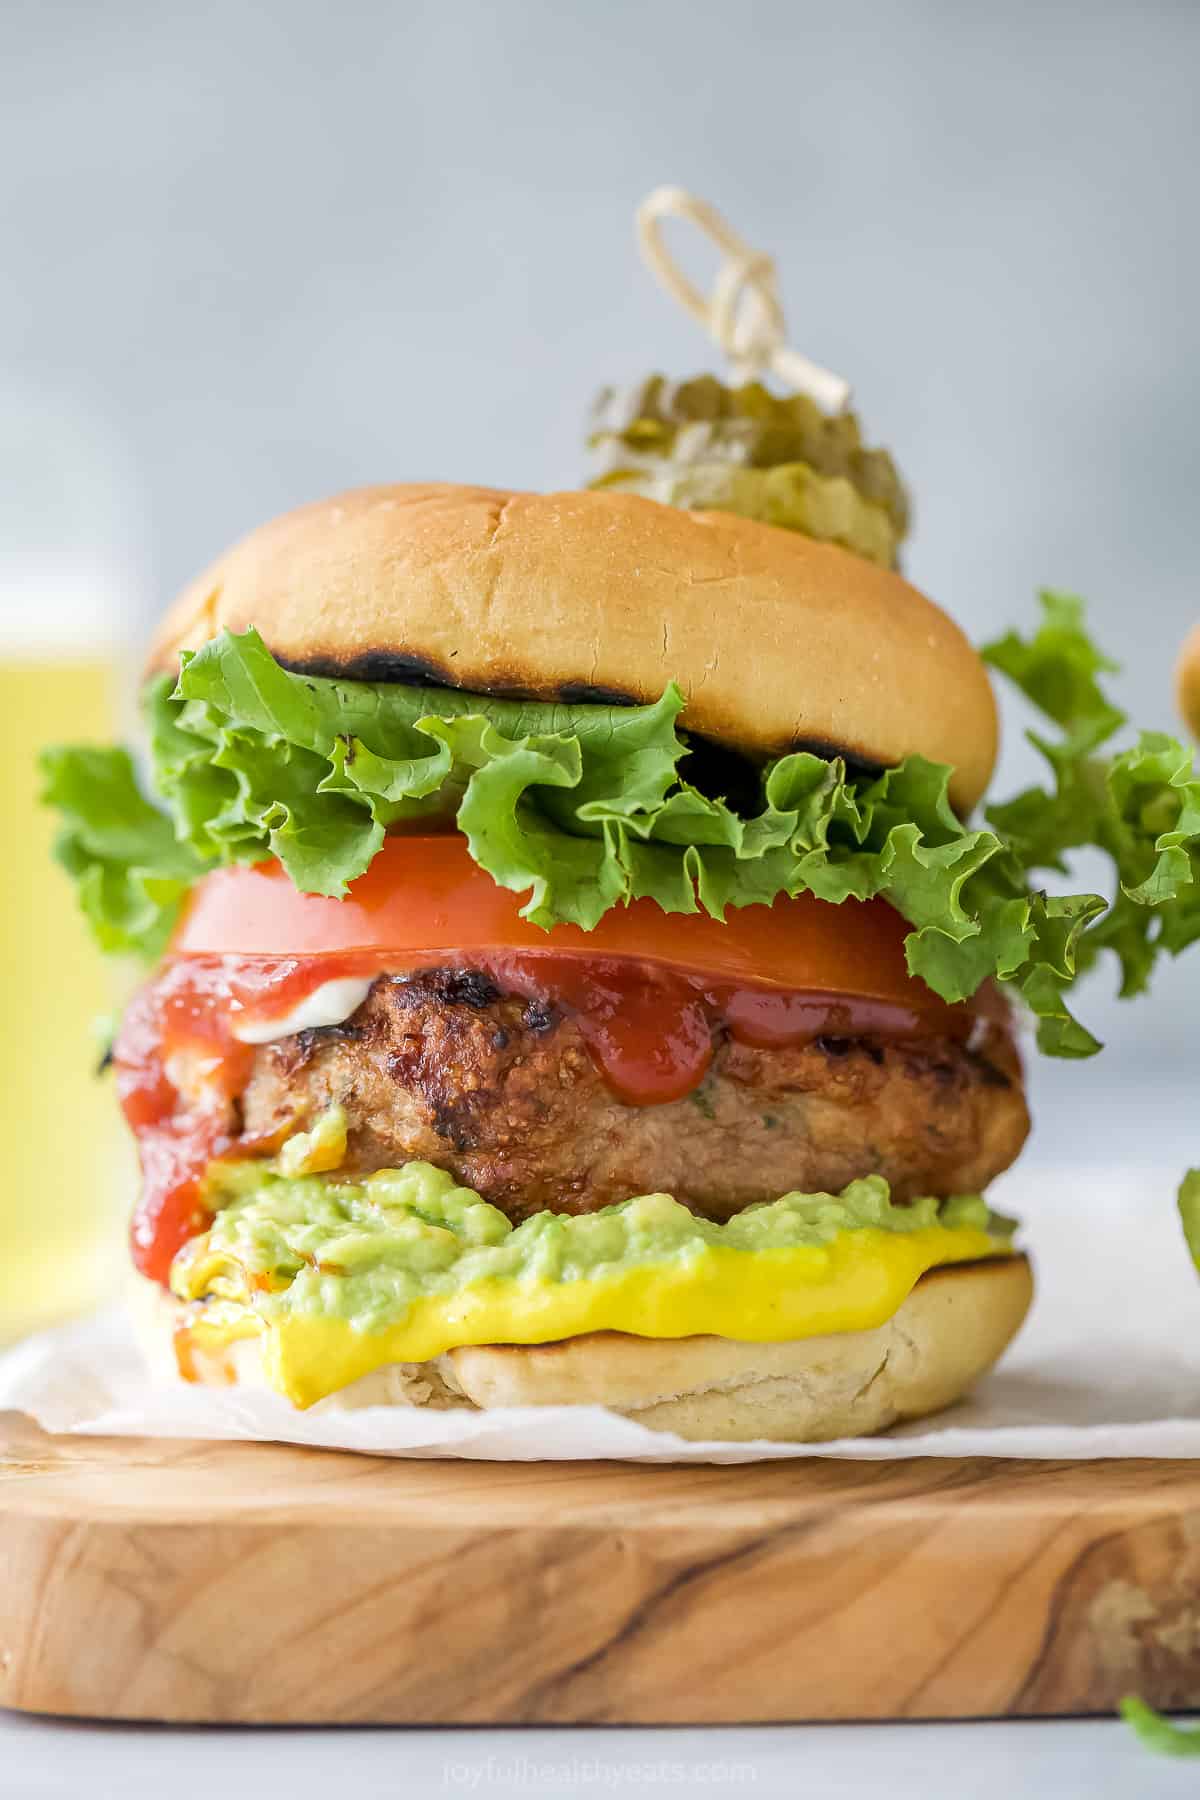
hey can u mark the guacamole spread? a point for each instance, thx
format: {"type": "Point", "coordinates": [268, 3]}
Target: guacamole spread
{"type": "Point", "coordinates": [400, 1266]}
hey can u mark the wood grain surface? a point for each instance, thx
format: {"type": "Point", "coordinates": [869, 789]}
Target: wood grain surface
{"type": "Point", "coordinates": [260, 1583]}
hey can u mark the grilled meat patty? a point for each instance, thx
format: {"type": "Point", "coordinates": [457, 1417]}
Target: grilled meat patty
{"type": "Point", "coordinates": [503, 1093]}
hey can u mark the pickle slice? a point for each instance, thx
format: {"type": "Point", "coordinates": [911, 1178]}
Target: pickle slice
{"type": "Point", "coordinates": [828, 507]}
{"type": "Point", "coordinates": [671, 439]}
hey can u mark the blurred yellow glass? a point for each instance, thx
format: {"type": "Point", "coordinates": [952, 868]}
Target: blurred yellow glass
{"type": "Point", "coordinates": [65, 1169]}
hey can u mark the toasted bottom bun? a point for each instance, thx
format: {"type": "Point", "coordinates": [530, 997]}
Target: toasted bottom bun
{"type": "Point", "coordinates": [951, 1329]}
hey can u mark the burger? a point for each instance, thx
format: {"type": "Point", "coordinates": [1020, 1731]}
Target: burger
{"type": "Point", "coordinates": [573, 973]}
{"type": "Point", "coordinates": [1187, 681]}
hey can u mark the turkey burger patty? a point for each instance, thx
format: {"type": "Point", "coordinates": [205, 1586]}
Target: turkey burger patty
{"type": "Point", "coordinates": [502, 1091]}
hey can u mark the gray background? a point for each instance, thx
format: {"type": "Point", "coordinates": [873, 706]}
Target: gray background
{"type": "Point", "coordinates": [255, 253]}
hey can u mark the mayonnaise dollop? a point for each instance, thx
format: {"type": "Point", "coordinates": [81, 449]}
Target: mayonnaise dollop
{"type": "Point", "coordinates": [330, 1004]}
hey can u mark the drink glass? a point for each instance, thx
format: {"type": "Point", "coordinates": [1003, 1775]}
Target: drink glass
{"type": "Point", "coordinates": [64, 1169]}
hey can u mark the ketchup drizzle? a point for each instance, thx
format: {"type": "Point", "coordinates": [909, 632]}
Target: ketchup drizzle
{"type": "Point", "coordinates": [189, 1010]}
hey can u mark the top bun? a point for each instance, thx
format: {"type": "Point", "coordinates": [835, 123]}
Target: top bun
{"type": "Point", "coordinates": [778, 642]}
{"type": "Point", "coordinates": [1187, 682]}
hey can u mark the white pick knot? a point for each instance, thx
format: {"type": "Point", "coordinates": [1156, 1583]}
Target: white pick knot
{"type": "Point", "coordinates": [744, 314]}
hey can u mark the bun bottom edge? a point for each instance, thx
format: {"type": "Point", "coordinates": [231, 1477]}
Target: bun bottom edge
{"type": "Point", "coordinates": [954, 1325]}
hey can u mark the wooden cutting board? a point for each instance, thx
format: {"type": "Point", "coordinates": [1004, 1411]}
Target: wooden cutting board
{"type": "Point", "coordinates": [258, 1583]}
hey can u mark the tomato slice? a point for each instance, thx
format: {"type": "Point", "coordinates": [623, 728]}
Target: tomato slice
{"type": "Point", "coordinates": [424, 895]}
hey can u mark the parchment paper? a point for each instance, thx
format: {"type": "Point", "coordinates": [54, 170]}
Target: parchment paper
{"type": "Point", "coordinates": [1108, 1365]}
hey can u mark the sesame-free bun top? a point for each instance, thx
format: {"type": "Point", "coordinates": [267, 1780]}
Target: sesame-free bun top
{"type": "Point", "coordinates": [776, 640]}
{"type": "Point", "coordinates": [1187, 681]}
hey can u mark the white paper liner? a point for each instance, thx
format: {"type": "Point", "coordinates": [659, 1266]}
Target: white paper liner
{"type": "Point", "coordinates": [1108, 1365]}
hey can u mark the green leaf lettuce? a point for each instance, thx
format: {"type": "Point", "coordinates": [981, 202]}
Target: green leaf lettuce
{"type": "Point", "coordinates": [1159, 1734]}
{"type": "Point", "coordinates": [1189, 1212]}
{"type": "Point", "coordinates": [582, 808]}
